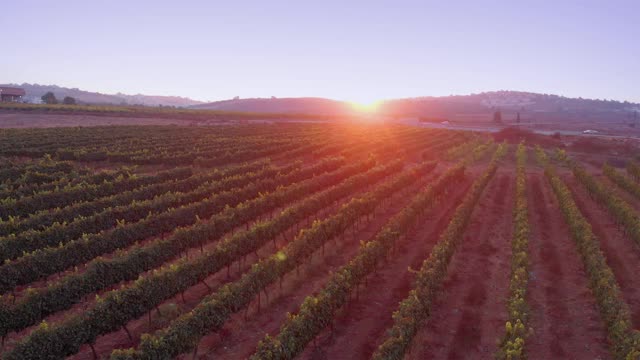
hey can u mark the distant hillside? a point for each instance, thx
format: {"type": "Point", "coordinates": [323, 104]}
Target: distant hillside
{"type": "Point", "coordinates": [35, 91]}
{"type": "Point", "coordinates": [529, 107]}
{"type": "Point", "coordinates": [319, 106]}
{"type": "Point", "coordinates": [474, 106]}
{"type": "Point", "coordinates": [508, 101]}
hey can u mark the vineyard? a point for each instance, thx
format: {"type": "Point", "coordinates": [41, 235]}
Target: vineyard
{"type": "Point", "coordinates": [313, 241]}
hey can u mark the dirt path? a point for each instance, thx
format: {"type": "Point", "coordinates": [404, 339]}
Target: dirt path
{"type": "Point", "coordinates": [240, 336]}
{"type": "Point", "coordinates": [360, 326]}
{"type": "Point", "coordinates": [468, 318]}
{"type": "Point", "coordinates": [623, 255]}
{"type": "Point", "coordinates": [564, 317]}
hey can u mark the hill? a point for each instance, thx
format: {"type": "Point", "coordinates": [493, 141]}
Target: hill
{"type": "Point", "coordinates": [35, 91]}
{"type": "Point", "coordinates": [306, 105]}
{"type": "Point", "coordinates": [530, 105]}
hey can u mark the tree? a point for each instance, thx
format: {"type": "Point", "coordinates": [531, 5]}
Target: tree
{"type": "Point", "coordinates": [68, 100]}
{"type": "Point", "coordinates": [49, 98]}
{"type": "Point", "coordinates": [497, 117]}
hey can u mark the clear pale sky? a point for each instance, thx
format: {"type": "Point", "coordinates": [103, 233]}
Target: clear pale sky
{"type": "Point", "coordinates": [348, 50]}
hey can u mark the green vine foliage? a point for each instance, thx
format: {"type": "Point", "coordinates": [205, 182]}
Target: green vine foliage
{"type": "Point", "coordinates": [414, 310]}
{"type": "Point", "coordinates": [126, 266]}
{"type": "Point", "coordinates": [118, 307]}
{"type": "Point", "coordinates": [624, 341]}
{"type": "Point", "coordinates": [213, 311]}
{"type": "Point", "coordinates": [512, 345]}
{"type": "Point", "coordinates": [317, 312]}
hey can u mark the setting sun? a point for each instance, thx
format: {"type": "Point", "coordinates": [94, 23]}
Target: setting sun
{"type": "Point", "coordinates": [365, 107]}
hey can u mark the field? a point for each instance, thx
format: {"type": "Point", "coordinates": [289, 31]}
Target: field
{"type": "Point", "coordinates": [314, 241]}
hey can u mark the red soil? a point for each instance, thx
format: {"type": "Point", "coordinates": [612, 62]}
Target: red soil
{"type": "Point", "coordinates": [239, 337]}
{"type": "Point", "coordinates": [363, 322]}
{"type": "Point", "coordinates": [213, 279]}
{"type": "Point", "coordinates": [468, 318]}
{"type": "Point", "coordinates": [564, 318]}
{"type": "Point", "coordinates": [175, 306]}
{"type": "Point", "coordinates": [622, 254]}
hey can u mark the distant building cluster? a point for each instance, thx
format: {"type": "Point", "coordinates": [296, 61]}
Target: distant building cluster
{"type": "Point", "coordinates": [11, 94]}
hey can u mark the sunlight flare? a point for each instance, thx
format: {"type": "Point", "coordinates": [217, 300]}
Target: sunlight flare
{"type": "Point", "coordinates": [365, 107]}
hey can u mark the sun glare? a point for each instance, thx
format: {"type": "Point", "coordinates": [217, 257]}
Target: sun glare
{"type": "Point", "coordinates": [365, 107]}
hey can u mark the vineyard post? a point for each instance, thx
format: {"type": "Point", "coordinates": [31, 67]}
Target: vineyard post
{"type": "Point", "coordinates": [93, 350]}
{"type": "Point", "coordinates": [195, 352]}
{"type": "Point", "coordinates": [259, 302]}
{"type": "Point", "coordinates": [124, 327]}
{"type": "Point", "coordinates": [207, 285]}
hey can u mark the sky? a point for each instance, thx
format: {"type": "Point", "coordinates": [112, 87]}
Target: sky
{"type": "Point", "coordinates": [358, 51]}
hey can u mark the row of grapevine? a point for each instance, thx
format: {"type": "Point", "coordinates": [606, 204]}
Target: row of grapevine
{"type": "Point", "coordinates": [47, 261]}
{"type": "Point", "coordinates": [102, 273]}
{"type": "Point", "coordinates": [212, 312]}
{"type": "Point", "coordinates": [633, 169]}
{"type": "Point", "coordinates": [54, 199]}
{"type": "Point", "coordinates": [14, 246]}
{"type": "Point", "coordinates": [512, 345]}
{"type": "Point", "coordinates": [13, 172]}
{"type": "Point", "coordinates": [124, 142]}
{"type": "Point", "coordinates": [118, 307]}
{"type": "Point", "coordinates": [619, 179]}
{"type": "Point", "coordinates": [623, 213]}
{"type": "Point", "coordinates": [317, 312]}
{"type": "Point", "coordinates": [462, 150]}
{"type": "Point", "coordinates": [214, 157]}
{"type": "Point", "coordinates": [415, 309]}
{"type": "Point", "coordinates": [45, 218]}
{"type": "Point", "coordinates": [96, 143]}
{"type": "Point", "coordinates": [32, 183]}
{"type": "Point", "coordinates": [439, 147]}
{"type": "Point", "coordinates": [624, 341]}
{"type": "Point", "coordinates": [178, 153]}
{"type": "Point", "coordinates": [480, 151]}
{"type": "Point", "coordinates": [168, 155]}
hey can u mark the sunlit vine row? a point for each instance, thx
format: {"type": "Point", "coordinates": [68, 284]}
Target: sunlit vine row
{"type": "Point", "coordinates": [317, 312]}
{"type": "Point", "coordinates": [512, 345]}
{"type": "Point", "coordinates": [415, 309]}
{"type": "Point", "coordinates": [624, 341]}
{"type": "Point", "coordinates": [117, 307]}
{"type": "Point", "coordinates": [185, 332]}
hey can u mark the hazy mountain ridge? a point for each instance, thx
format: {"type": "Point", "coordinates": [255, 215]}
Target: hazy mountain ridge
{"type": "Point", "coordinates": [510, 101]}
{"type": "Point", "coordinates": [35, 91]}
{"type": "Point", "coordinates": [306, 105]}
{"type": "Point", "coordinates": [527, 103]}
